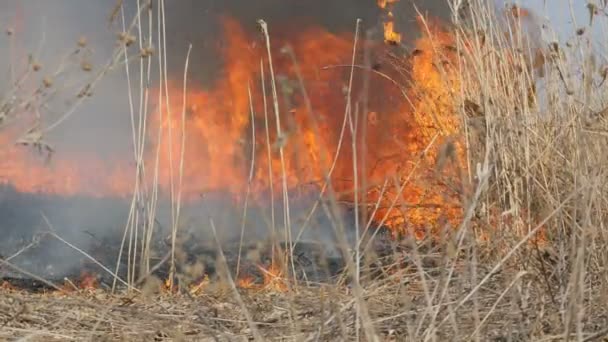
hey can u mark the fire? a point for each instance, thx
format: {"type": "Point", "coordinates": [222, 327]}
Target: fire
{"type": "Point", "coordinates": [5, 285]}
{"type": "Point", "coordinates": [62, 174]}
{"type": "Point", "coordinates": [390, 35]}
{"type": "Point", "coordinates": [223, 138]}
{"type": "Point", "coordinates": [169, 286]}
{"type": "Point", "coordinates": [273, 278]}
{"type": "Point", "coordinates": [384, 3]}
{"type": "Point", "coordinates": [200, 286]}
{"type": "Point", "coordinates": [246, 282]}
{"type": "Point", "coordinates": [88, 281]}
{"type": "Point", "coordinates": [217, 155]}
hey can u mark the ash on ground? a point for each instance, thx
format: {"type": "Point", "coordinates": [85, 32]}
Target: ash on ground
{"type": "Point", "coordinates": [53, 238]}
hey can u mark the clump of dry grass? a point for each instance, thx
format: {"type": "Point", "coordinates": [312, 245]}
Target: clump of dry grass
{"type": "Point", "coordinates": [539, 125]}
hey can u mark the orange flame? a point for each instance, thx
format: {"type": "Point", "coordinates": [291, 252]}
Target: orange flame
{"type": "Point", "coordinates": [198, 287]}
{"type": "Point", "coordinates": [246, 282]}
{"type": "Point", "coordinates": [88, 281]}
{"type": "Point", "coordinates": [273, 278]}
{"type": "Point", "coordinates": [5, 285]}
{"type": "Point", "coordinates": [219, 131]}
{"type": "Point", "coordinates": [390, 35]}
{"type": "Point", "coordinates": [384, 3]}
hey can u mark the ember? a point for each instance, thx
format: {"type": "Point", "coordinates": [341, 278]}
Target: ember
{"type": "Point", "coordinates": [88, 281]}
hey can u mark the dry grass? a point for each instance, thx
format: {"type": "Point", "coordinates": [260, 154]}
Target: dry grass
{"type": "Point", "coordinates": [528, 262]}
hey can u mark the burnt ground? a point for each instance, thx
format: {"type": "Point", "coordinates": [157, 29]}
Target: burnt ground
{"type": "Point", "coordinates": [409, 288]}
{"type": "Point", "coordinates": [397, 305]}
{"type": "Point", "coordinates": [55, 237]}
{"type": "Point", "coordinates": [405, 289]}
{"type": "Point", "coordinates": [48, 240]}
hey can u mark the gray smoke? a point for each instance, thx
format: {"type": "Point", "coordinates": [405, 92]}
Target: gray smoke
{"type": "Point", "coordinates": [50, 30]}
{"type": "Point", "coordinates": [197, 22]}
{"type": "Point", "coordinates": [47, 32]}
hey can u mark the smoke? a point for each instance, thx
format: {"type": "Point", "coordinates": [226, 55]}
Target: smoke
{"type": "Point", "coordinates": [48, 31]}
{"type": "Point", "coordinates": [28, 220]}
{"type": "Point", "coordinates": [198, 22]}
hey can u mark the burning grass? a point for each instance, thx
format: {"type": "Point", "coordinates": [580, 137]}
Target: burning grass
{"type": "Point", "coordinates": [491, 186]}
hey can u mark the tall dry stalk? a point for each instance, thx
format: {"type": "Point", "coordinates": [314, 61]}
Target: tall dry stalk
{"type": "Point", "coordinates": [281, 140]}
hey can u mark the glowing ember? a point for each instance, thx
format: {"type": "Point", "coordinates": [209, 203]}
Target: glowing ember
{"type": "Point", "coordinates": [169, 286]}
{"type": "Point", "coordinates": [7, 286]}
{"type": "Point", "coordinates": [88, 281]}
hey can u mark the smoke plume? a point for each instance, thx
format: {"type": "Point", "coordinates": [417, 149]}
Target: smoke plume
{"type": "Point", "coordinates": [46, 32]}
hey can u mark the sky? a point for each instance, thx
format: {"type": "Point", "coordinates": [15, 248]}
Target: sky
{"type": "Point", "coordinates": [563, 16]}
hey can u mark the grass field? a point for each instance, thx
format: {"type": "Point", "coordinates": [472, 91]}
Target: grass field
{"type": "Point", "coordinates": [527, 260]}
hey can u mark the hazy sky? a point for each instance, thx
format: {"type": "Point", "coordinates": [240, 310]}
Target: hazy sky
{"type": "Point", "coordinates": [563, 15]}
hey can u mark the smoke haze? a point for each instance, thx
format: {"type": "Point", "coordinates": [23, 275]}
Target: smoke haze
{"type": "Point", "coordinates": [50, 30]}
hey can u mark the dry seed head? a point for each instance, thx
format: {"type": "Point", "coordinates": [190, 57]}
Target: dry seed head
{"type": "Point", "coordinates": [36, 66]}
{"type": "Point", "coordinates": [147, 51]}
{"type": "Point", "coordinates": [86, 66]}
{"type": "Point", "coordinates": [554, 46]}
{"type": "Point", "coordinates": [82, 42]}
{"type": "Point", "coordinates": [126, 38]}
{"type": "Point", "coordinates": [47, 82]}
{"type": "Point", "coordinates": [86, 89]}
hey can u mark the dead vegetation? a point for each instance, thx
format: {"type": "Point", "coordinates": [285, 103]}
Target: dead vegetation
{"type": "Point", "coordinates": [527, 262]}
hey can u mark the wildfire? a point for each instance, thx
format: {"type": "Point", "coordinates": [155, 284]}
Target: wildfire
{"type": "Point", "coordinates": [390, 35]}
{"type": "Point", "coordinates": [273, 278]}
{"type": "Point", "coordinates": [246, 282]}
{"type": "Point", "coordinates": [221, 136]}
{"type": "Point", "coordinates": [199, 287]}
{"type": "Point", "coordinates": [384, 3]}
{"type": "Point", "coordinates": [88, 281]}
{"type": "Point", "coordinates": [5, 285]}
{"type": "Point", "coordinates": [217, 157]}
{"type": "Point", "coordinates": [169, 286]}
